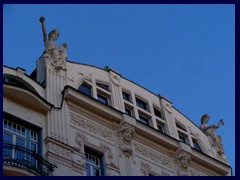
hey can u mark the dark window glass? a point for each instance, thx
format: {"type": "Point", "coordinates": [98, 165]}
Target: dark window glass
{"type": "Point", "coordinates": [144, 120]}
{"type": "Point", "coordinates": [141, 104]}
{"type": "Point", "coordinates": [160, 128]}
{"type": "Point", "coordinates": [102, 99]}
{"type": "Point", "coordinates": [182, 139]}
{"type": "Point", "coordinates": [126, 96]}
{"type": "Point", "coordinates": [128, 111]}
{"type": "Point", "coordinates": [104, 86]}
{"type": "Point", "coordinates": [196, 145]}
{"type": "Point", "coordinates": [180, 127]}
{"type": "Point", "coordinates": [157, 113]}
{"type": "Point", "coordinates": [85, 89]}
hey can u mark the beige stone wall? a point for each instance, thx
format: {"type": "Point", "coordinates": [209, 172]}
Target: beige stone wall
{"type": "Point", "coordinates": [128, 147]}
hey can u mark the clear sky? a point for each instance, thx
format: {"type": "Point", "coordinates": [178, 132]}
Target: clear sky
{"type": "Point", "coordinates": [186, 53]}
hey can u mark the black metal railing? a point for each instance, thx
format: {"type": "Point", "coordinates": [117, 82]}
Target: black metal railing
{"type": "Point", "coordinates": [24, 158]}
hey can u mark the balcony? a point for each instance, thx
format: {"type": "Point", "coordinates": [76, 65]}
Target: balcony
{"type": "Point", "coordinates": [23, 158]}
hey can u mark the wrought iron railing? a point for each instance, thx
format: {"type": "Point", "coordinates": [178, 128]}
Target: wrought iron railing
{"type": "Point", "coordinates": [24, 158]}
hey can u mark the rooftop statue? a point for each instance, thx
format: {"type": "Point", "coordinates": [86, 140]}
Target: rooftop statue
{"type": "Point", "coordinates": [211, 132]}
{"type": "Point", "coordinates": [56, 54]}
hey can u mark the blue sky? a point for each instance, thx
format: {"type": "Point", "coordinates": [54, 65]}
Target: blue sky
{"type": "Point", "coordinates": [186, 53]}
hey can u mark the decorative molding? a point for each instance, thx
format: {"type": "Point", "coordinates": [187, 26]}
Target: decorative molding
{"type": "Point", "coordinates": [194, 172]}
{"type": "Point", "coordinates": [91, 126]}
{"type": "Point", "coordinates": [168, 107]}
{"type": "Point", "coordinates": [85, 76]}
{"type": "Point", "coordinates": [145, 167]}
{"type": "Point", "coordinates": [152, 155]}
{"type": "Point", "coordinates": [60, 151]}
{"type": "Point", "coordinates": [109, 155]}
{"type": "Point", "coordinates": [80, 139]}
{"type": "Point", "coordinates": [115, 78]}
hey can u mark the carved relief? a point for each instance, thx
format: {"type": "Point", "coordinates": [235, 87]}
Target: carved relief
{"type": "Point", "coordinates": [210, 131]}
{"type": "Point", "coordinates": [60, 151]}
{"type": "Point", "coordinates": [193, 172]}
{"type": "Point", "coordinates": [80, 139]}
{"type": "Point", "coordinates": [109, 157]}
{"type": "Point", "coordinates": [145, 167]}
{"type": "Point", "coordinates": [152, 155]}
{"type": "Point", "coordinates": [90, 126]}
{"type": "Point", "coordinates": [168, 107]}
{"type": "Point", "coordinates": [115, 78]}
{"type": "Point", "coordinates": [126, 137]}
{"type": "Point", "coordinates": [182, 162]}
{"type": "Point", "coordinates": [165, 173]}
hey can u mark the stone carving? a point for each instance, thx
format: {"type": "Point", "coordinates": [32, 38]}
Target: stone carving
{"type": "Point", "coordinates": [126, 137]}
{"type": "Point", "coordinates": [80, 140]}
{"type": "Point", "coordinates": [164, 173]}
{"type": "Point", "coordinates": [109, 157]}
{"type": "Point", "coordinates": [210, 131]}
{"type": "Point", "coordinates": [168, 107]}
{"type": "Point", "coordinates": [152, 155]}
{"type": "Point", "coordinates": [194, 172]}
{"type": "Point", "coordinates": [182, 162]}
{"type": "Point", "coordinates": [90, 126]}
{"type": "Point", "coordinates": [60, 151]}
{"type": "Point", "coordinates": [85, 76]}
{"type": "Point", "coordinates": [145, 167]}
{"type": "Point", "coordinates": [115, 78]}
{"type": "Point", "coordinates": [57, 55]}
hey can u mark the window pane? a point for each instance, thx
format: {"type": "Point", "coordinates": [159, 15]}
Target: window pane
{"type": "Point", "coordinates": [157, 113]}
{"type": "Point", "coordinates": [96, 172]}
{"type": "Point", "coordinates": [85, 89]}
{"type": "Point", "coordinates": [144, 120]}
{"type": "Point", "coordinates": [141, 104]}
{"type": "Point", "coordinates": [104, 86]}
{"type": "Point", "coordinates": [126, 96]}
{"type": "Point", "coordinates": [7, 138]}
{"type": "Point", "coordinates": [5, 124]}
{"type": "Point", "coordinates": [102, 99]}
{"type": "Point", "coordinates": [20, 142]}
{"type": "Point", "coordinates": [88, 170]}
{"type": "Point", "coordinates": [196, 146]}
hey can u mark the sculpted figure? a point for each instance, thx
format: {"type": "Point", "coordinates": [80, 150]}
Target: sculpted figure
{"type": "Point", "coordinates": [58, 55]}
{"type": "Point", "coordinates": [211, 132]}
{"type": "Point", "coordinates": [182, 162]}
{"type": "Point", "coordinates": [127, 133]}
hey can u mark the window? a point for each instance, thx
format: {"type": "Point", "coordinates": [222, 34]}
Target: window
{"type": "Point", "coordinates": [16, 134]}
{"type": "Point", "coordinates": [183, 138]}
{"type": "Point", "coordinates": [144, 120]}
{"type": "Point", "coordinates": [102, 99]}
{"type": "Point", "coordinates": [160, 128]}
{"type": "Point", "coordinates": [85, 89]}
{"type": "Point", "coordinates": [141, 104]}
{"type": "Point", "coordinates": [126, 96]}
{"type": "Point", "coordinates": [196, 145]}
{"type": "Point", "coordinates": [94, 163]}
{"type": "Point", "coordinates": [180, 126]}
{"type": "Point", "coordinates": [128, 110]}
{"type": "Point", "coordinates": [158, 113]}
{"type": "Point", "coordinates": [104, 86]}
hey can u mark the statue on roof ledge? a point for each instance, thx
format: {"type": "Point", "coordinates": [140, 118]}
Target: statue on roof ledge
{"type": "Point", "coordinates": [211, 132]}
{"type": "Point", "coordinates": [57, 55]}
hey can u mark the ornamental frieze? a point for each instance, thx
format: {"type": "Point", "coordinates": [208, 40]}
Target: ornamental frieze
{"type": "Point", "coordinates": [152, 155]}
{"type": "Point", "coordinates": [90, 126]}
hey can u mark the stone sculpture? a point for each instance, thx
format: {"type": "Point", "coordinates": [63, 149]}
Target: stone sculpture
{"type": "Point", "coordinates": [57, 55]}
{"type": "Point", "coordinates": [126, 137]}
{"type": "Point", "coordinates": [211, 132]}
{"type": "Point", "coordinates": [182, 162]}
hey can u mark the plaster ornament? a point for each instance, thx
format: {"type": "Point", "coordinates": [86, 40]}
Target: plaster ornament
{"type": "Point", "coordinates": [80, 140]}
{"type": "Point", "coordinates": [210, 131]}
{"type": "Point", "coordinates": [182, 161]}
{"type": "Point", "coordinates": [115, 78]}
{"type": "Point", "coordinates": [57, 55]}
{"type": "Point", "coordinates": [168, 107]}
{"type": "Point", "coordinates": [145, 167]}
{"type": "Point", "coordinates": [126, 137]}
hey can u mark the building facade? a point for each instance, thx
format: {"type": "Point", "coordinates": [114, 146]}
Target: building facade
{"type": "Point", "coordinates": [73, 119]}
